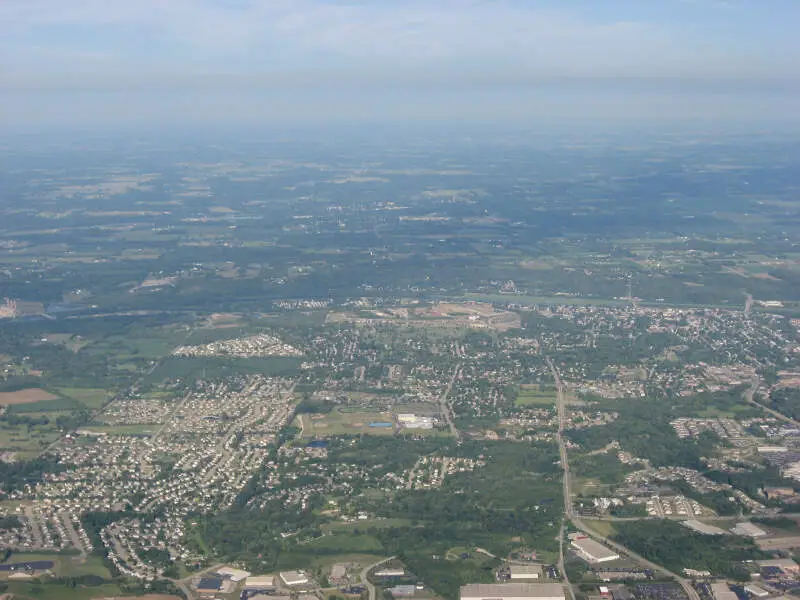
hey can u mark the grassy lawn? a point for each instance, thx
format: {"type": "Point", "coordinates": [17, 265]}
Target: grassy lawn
{"type": "Point", "coordinates": [92, 398]}
{"type": "Point", "coordinates": [369, 523]}
{"type": "Point", "coordinates": [601, 528]}
{"type": "Point", "coordinates": [340, 423]}
{"type": "Point", "coordinates": [533, 396]}
{"type": "Point", "coordinates": [45, 591]}
{"type": "Point", "coordinates": [123, 429]}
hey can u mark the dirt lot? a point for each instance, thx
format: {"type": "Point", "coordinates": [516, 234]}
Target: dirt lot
{"type": "Point", "coordinates": [26, 396]}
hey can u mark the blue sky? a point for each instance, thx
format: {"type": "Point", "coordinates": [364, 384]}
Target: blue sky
{"type": "Point", "coordinates": [99, 60]}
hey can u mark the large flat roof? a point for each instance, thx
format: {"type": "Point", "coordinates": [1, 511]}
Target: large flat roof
{"type": "Point", "coordinates": [512, 590]}
{"type": "Point", "coordinates": [703, 528]}
{"type": "Point", "coordinates": [594, 549]}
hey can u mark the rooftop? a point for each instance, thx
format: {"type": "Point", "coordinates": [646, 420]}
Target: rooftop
{"type": "Point", "coordinates": [512, 590]}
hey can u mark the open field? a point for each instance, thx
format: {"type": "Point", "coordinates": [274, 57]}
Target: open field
{"type": "Point", "coordinates": [533, 396]}
{"type": "Point", "coordinates": [93, 398]}
{"type": "Point", "coordinates": [26, 396]}
{"type": "Point", "coordinates": [66, 565]}
{"type": "Point", "coordinates": [343, 423]}
{"type": "Point", "coordinates": [43, 591]}
{"type": "Point", "coordinates": [123, 429]}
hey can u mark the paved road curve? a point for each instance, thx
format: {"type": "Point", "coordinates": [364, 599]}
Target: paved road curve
{"type": "Point", "coordinates": [366, 570]}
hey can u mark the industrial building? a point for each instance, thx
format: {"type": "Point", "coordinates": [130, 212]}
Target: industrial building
{"type": "Point", "coordinates": [513, 591]}
{"type": "Point", "coordinates": [290, 578]}
{"type": "Point", "coordinates": [523, 572]}
{"type": "Point", "coordinates": [592, 551]}
{"type": "Point", "coordinates": [235, 575]}
{"type": "Point", "coordinates": [259, 582]}
{"type": "Point", "coordinates": [756, 591]}
{"type": "Point", "coordinates": [390, 573]}
{"type": "Point", "coordinates": [721, 591]}
{"type": "Point", "coordinates": [699, 527]}
{"type": "Point", "coordinates": [787, 565]}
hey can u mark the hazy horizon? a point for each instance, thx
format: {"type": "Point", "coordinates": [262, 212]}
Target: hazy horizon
{"type": "Point", "coordinates": [90, 62]}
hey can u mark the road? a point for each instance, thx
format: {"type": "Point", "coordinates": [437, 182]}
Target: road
{"type": "Point", "coordinates": [749, 394]}
{"type": "Point", "coordinates": [569, 512]}
{"type": "Point", "coordinates": [184, 584]}
{"type": "Point", "coordinates": [445, 408]}
{"type": "Point", "coordinates": [365, 571]}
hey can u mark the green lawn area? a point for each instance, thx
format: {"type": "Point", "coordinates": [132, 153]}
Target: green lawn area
{"type": "Point", "coordinates": [534, 396]}
{"type": "Point", "coordinates": [92, 398]}
{"type": "Point", "coordinates": [46, 591]}
{"type": "Point", "coordinates": [123, 429]}
{"type": "Point", "coordinates": [341, 423]}
{"type": "Point", "coordinates": [367, 524]}
{"type": "Point", "coordinates": [19, 439]}
{"type": "Point", "coordinates": [601, 528]}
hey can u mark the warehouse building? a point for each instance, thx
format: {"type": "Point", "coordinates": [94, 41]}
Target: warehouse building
{"type": "Point", "coordinates": [787, 565]}
{"type": "Point", "coordinates": [592, 551]}
{"type": "Point", "coordinates": [699, 527]}
{"type": "Point", "coordinates": [524, 572]}
{"type": "Point", "coordinates": [259, 582]}
{"type": "Point", "coordinates": [513, 591]}
{"type": "Point", "coordinates": [235, 575]}
{"type": "Point", "coordinates": [290, 578]}
{"type": "Point", "coordinates": [721, 591]}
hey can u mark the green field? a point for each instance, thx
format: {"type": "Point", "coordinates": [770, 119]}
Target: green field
{"type": "Point", "coordinates": [92, 398]}
{"type": "Point", "coordinates": [123, 429]}
{"type": "Point", "coordinates": [66, 565]}
{"type": "Point", "coordinates": [45, 591]}
{"type": "Point", "coordinates": [343, 423]}
{"type": "Point", "coordinates": [534, 396]}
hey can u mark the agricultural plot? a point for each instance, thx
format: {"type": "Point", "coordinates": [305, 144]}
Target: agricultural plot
{"type": "Point", "coordinates": [26, 396]}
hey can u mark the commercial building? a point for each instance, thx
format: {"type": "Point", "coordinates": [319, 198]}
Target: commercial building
{"type": "Point", "coordinates": [592, 551]}
{"type": "Point", "coordinates": [721, 591]}
{"type": "Point", "coordinates": [235, 575]}
{"type": "Point", "coordinates": [209, 586]}
{"type": "Point", "coordinates": [259, 582]}
{"type": "Point", "coordinates": [390, 573]}
{"type": "Point", "coordinates": [703, 528]}
{"type": "Point", "coordinates": [756, 591]}
{"type": "Point", "coordinates": [291, 578]}
{"type": "Point", "coordinates": [513, 591]}
{"type": "Point", "coordinates": [517, 572]}
{"type": "Point", "coordinates": [787, 565]}
{"type": "Point", "coordinates": [402, 591]}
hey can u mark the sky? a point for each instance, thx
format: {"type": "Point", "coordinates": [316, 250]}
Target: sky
{"type": "Point", "coordinates": [262, 61]}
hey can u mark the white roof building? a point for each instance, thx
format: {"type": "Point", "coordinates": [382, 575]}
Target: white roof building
{"type": "Point", "coordinates": [592, 551]}
{"type": "Point", "coordinates": [703, 528]}
{"type": "Point", "coordinates": [236, 575]}
{"type": "Point", "coordinates": [525, 572]}
{"type": "Point", "coordinates": [758, 592]}
{"type": "Point", "coordinates": [513, 591]}
{"type": "Point", "coordinates": [784, 564]}
{"type": "Point", "coordinates": [257, 582]}
{"type": "Point", "coordinates": [721, 591]}
{"type": "Point", "coordinates": [293, 578]}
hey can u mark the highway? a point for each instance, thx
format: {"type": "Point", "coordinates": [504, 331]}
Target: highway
{"type": "Point", "coordinates": [569, 512]}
